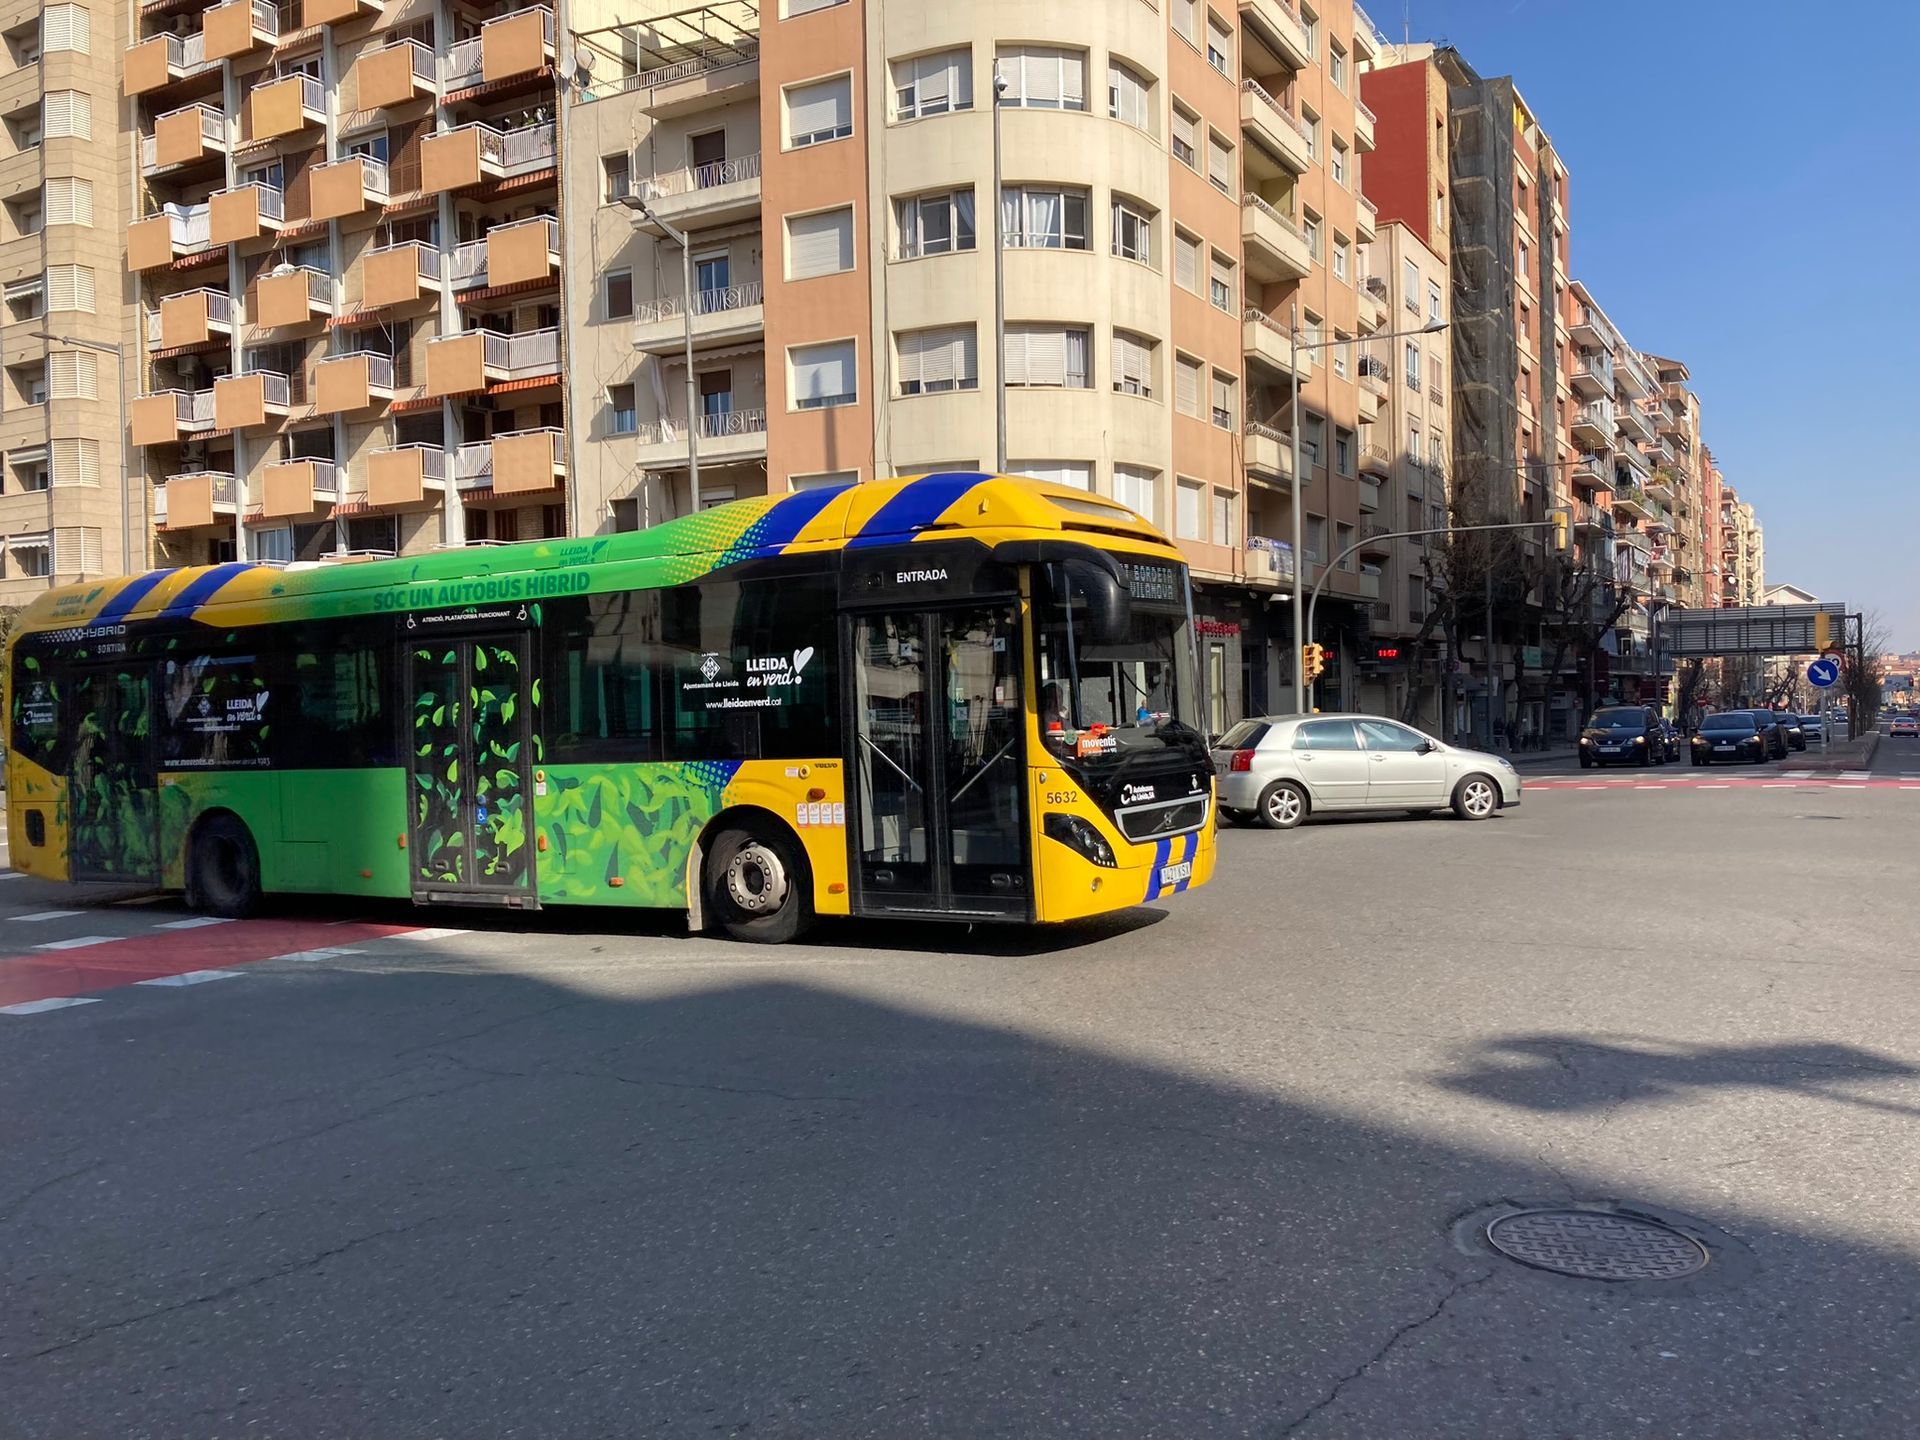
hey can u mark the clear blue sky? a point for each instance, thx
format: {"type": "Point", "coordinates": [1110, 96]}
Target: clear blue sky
{"type": "Point", "coordinates": [1746, 198]}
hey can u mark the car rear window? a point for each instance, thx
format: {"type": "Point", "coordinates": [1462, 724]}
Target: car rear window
{"type": "Point", "coordinates": [1732, 720]}
{"type": "Point", "coordinates": [1247, 735]}
{"type": "Point", "coordinates": [1618, 720]}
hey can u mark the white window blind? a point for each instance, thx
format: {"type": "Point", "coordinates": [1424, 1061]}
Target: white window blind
{"type": "Point", "coordinates": [68, 201]}
{"type": "Point", "coordinates": [822, 374]}
{"type": "Point", "coordinates": [1186, 137]}
{"type": "Point", "coordinates": [1186, 262]}
{"type": "Point", "coordinates": [1220, 282]}
{"type": "Point", "coordinates": [1223, 400]}
{"type": "Point", "coordinates": [1186, 386]}
{"type": "Point", "coordinates": [1127, 96]}
{"type": "Point", "coordinates": [1041, 77]}
{"type": "Point", "coordinates": [825, 480]}
{"type": "Point", "coordinates": [1077, 473]}
{"type": "Point", "coordinates": [66, 27]}
{"type": "Point", "coordinates": [72, 375]}
{"type": "Point", "coordinates": [1220, 163]}
{"type": "Point", "coordinates": [67, 114]}
{"type": "Point", "coordinates": [807, 7]}
{"type": "Point", "coordinates": [1223, 527]}
{"type": "Point", "coordinates": [1186, 19]}
{"type": "Point", "coordinates": [1137, 487]}
{"type": "Point", "coordinates": [76, 462]}
{"type": "Point", "coordinates": [76, 549]}
{"type": "Point", "coordinates": [945, 358]}
{"type": "Point", "coordinates": [820, 111]}
{"type": "Point", "coordinates": [1189, 516]}
{"type": "Point", "coordinates": [1132, 363]}
{"type": "Point", "coordinates": [933, 84]}
{"type": "Point", "coordinates": [819, 244]}
{"type": "Point", "coordinates": [70, 287]}
{"type": "Point", "coordinates": [1219, 46]}
{"type": "Point", "coordinates": [1048, 355]}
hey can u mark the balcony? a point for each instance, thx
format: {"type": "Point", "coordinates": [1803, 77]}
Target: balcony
{"type": "Point", "coordinates": [195, 498]}
{"type": "Point", "coordinates": [1276, 25]}
{"type": "Point", "coordinates": [245, 212]}
{"type": "Point", "coordinates": [1267, 452]}
{"type": "Point", "coordinates": [163, 60]}
{"type": "Point", "coordinates": [1268, 561]}
{"type": "Point", "coordinates": [1363, 121]}
{"type": "Point", "coordinates": [1669, 424]}
{"type": "Point", "coordinates": [1590, 329]}
{"type": "Point", "coordinates": [1661, 486]}
{"type": "Point", "coordinates": [724, 438]}
{"type": "Point", "coordinates": [1267, 121]}
{"type": "Point", "coordinates": [702, 82]}
{"type": "Point", "coordinates": [1366, 221]}
{"type": "Point", "coordinates": [393, 75]}
{"type": "Point", "coordinates": [1374, 460]}
{"type": "Point", "coordinates": [1593, 424]}
{"type": "Point", "coordinates": [176, 232]}
{"type": "Point", "coordinates": [516, 44]}
{"type": "Point", "coordinates": [293, 295]}
{"type": "Point", "coordinates": [725, 192]}
{"type": "Point", "coordinates": [1593, 376]}
{"type": "Point", "coordinates": [244, 402]}
{"type": "Point", "coordinates": [460, 364]}
{"type": "Point", "coordinates": [1373, 538]}
{"type": "Point", "coordinates": [285, 107]}
{"type": "Point", "coordinates": [1274, 247]}
{"type": "Point", "coordinates": [1265, 341]}
{"type": "Point", "coordinates": [400, 274]}
{"type": "Point", "coordinates": [168, 416]}
{"type": "Point", "coordinates": [1592, 519]}
{"type": "Point", "coordinates": [231, 30]}
{"type": "Point", "coordinates": [1369, 494]}
{"type": "Point", "coordinates": [1635, 424]}
{"type": "Point", "coordinates": [187, 136]}
{"type": "Point", "coordinates": [1632, 500]}
{"type": "Point", "coordinates": [514, 254]}
{"type": "Point", "coordinates": [335, 12]}
{"type": "Point", "coordinates": [522, 462]}
{"type": "Point", "coordinates": [1591, 469]}
{"type": "Point", "coordinates": [1373, 385]}
{"type": "Point", "coordinates": [725, 316]}
{"type": "Point", "coordinates": [192, 319]}
{"type": "Point", "coordinates": [474, 154]}
{"type": "Point", "coordinates": [343, 384]}
{"type": "Point", "coordinates": [348, 187]}
{"type": "Point", "coordinates": [405, 474]}
{"type": "Point", "coordinates": [1368, 42]}
{"type": "Point", "coordinates": [1373, 302]}
{"type": "Point", "coordinates": [292, 489]}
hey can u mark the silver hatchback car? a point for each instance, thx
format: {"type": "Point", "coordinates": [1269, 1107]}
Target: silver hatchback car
{"type": "Point", "coordinates": [1283, 768]}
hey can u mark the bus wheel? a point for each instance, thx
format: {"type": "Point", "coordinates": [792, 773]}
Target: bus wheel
{"type": "Point", "coordinates": [758, 886]}
{"type": "Point", "coordinates": [223, 869]}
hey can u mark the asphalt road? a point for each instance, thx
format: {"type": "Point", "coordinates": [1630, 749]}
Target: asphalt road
{"type": "Point", "coordinates": [1199, 1171]}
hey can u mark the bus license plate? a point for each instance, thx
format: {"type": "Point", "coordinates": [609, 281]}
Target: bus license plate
{"type": "Point", "coordinates": [1174, 874]}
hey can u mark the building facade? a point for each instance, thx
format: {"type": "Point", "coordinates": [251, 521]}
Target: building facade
{"type": "Point", "coordinates": [63, 326]}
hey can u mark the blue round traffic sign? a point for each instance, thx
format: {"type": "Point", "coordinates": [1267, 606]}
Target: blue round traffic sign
{"type": "Point", "coordinates": [1823, 673]}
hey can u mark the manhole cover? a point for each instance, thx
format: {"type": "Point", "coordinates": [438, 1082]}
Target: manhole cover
{"type": "Point", "coordinates": [1597, 1245]}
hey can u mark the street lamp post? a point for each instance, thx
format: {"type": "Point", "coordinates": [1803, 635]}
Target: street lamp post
{"type": "Point", "coordinates": [637, 203]}
{"type": "Point", "coordinates": [119, 354]}
{"type": "Point", "coordinates": [1302, 621]}
{"type": "Point", "coordinates": [999, 288]}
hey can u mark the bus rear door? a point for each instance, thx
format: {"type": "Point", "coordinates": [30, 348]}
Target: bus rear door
{"type": "Point", "coordinates": [113, 818]}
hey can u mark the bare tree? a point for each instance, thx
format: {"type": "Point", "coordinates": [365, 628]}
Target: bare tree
{"type": "Point", "coordinates": [1863, 675]}
{"type": "Point", "coordinates": [1580, 601]}
{"type": "Point", "coordinates": [1689, 686]}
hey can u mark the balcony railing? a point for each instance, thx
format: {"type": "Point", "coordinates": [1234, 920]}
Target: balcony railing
{"type": "Point", "coordinates": [473, 464]}
{"type": "Point", "coordinates": [1278, 557]}
{"type": "Point", "coordinates": [433, 459]}
{"type": "Point", "coordinates": [1260, 92]}
{"type": "Point", "coordinates": [431, 261]}
{"type": "Point", "coordinates": [187, 55]}
{"type": "Point", "coordinates": [467, 265]}
{"type": "Point", "coordinates": [705, 302]}
{"type": "Point", "coordinates": [326, 474]}
{"type": "Point", "coordinates": [462, 67]}
{"type": "Point", "coordinates": [190, 227]}
{"type": "Point", "coordinates": [532, 352]}
{"type": "Point", "coordinates": [1251, 201]}
{"type": "Point", "coordinates": [275, 388]}
{"type": "Point", "coordinates": [213, 131]}
{"type": "Point", "coordinates": [528, 148]}
{"type": "Point", "coordinates": [701, 177]}
{"type": "Point", "coordinates": [225, 488]}
{"type": "Point", "coordinates": [379, 366]}
{"type": "Point", "coordinates": [711, 427]}
{"type": "Point", "coordinates": [271, 199]}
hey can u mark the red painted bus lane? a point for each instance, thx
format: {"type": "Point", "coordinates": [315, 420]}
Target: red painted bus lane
{"type": "Point", "coordinates": [110, 964]}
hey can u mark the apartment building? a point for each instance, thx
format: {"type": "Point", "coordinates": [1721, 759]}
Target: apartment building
{"type": "Point", "coordinates": [1743, 566]}
{"type": "Point", "coordinates": [1179, 200]}
{"type": "Point", "coordinates": [62, 327]}
{"type": "Point", "coordinates": [347, 275]}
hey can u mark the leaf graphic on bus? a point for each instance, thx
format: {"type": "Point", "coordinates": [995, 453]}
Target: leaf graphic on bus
{"type": "Point", "coordinates": [800, 658]}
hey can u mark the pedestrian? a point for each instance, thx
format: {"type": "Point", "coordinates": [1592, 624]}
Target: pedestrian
{"type": "Point", "coordinates": [1526, 732]}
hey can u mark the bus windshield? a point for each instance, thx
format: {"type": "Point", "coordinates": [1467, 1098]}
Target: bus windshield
{"type": "Point", "coordinates": [1105, 698]}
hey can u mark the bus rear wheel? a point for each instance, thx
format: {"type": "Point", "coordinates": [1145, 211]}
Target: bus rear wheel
{"type": "Point", "coordinates": [758, 886]}
{"type": "Point", "coordinates": [223, 869]}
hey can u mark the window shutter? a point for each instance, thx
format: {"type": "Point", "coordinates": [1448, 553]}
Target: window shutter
{"type": "Point", "coordinates": [1219, 159]}
{"type": "Point", "coordinates": [1136, 486]}
{"type": "Point", "coordinates": [70, 287]}
{"type": "Point", "coordinates": [76, 462]}
{"type": "Point", "coordinates": [820, 244]}
{"type": "Point", "coordinates": [1186, 131]}
{"type": "Point", "coordinates": [1186, 389]}
{"type": "Point", "coordinates": [90, 559]}
{"type": "Point", "coordinates": [72, 375]}
{"type": "Point", "coordinates": [807, 7]}
{"type": "Point", "coordinates": [1186, 18]}
{"type": "Point", "coordinates": [1186, 262]}
{"type": "Point", "coordinates": [67, 114]}
{"type": "Point", "coordinates": [1132, 363]}
{"type": "Point", "coordinates": [1077, 473]}
{"type": "Point", "coordinates": [69, 201]}
{"type": "Point", "coordinates": [66, 27]}
{"type": "Point", "coordinates": [1045, 359]}
{"type": "Point", "coordinates": [66, 549]}
{"type": "Point", "coordinates": [823, 106]}
{"type": "Point", "coordinates": [1219, 37]}
{"type": "Point", "coordinates": [1223, 394]}
{"type": "Point", "coordinates": [823, 371]}
{"type": "Point", "coordinates": [1223, 274]}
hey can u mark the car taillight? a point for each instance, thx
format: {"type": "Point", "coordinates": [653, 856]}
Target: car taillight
{"type": "Point", "coordinates": [1242, 761]}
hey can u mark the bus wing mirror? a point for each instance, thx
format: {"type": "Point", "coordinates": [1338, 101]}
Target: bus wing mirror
{"type": "Point", "coordinates": [1109, 609]}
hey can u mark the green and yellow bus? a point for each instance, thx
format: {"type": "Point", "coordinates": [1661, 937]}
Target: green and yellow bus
{"type": "Point", "coordinates": [954, 695]}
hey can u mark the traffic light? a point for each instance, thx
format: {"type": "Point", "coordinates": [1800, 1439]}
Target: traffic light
{"type": "Point", "coordinates": [1822, 632]}
{"type": "Point", "coordinates": [1313, 661]}
{"type": "Point", "coordinates": [1562, 519]}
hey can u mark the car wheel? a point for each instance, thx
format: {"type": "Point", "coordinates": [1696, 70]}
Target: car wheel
{"type": "Point", "coordinates": [1283, 805]}
{"type": "Point", "coordinates": [1585, 763]}
{"type": "Point", "coordinates": [1475, 798]}
{"type": "Point", "coordinates": [1232, 816]}
{"type": "Point", "coordinates": [223, 869]}
{"type": "Point", "coordinates": [758, 887]}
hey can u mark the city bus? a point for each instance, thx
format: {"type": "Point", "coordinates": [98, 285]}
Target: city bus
{"type": "Point", "coordinates": [954, 696]}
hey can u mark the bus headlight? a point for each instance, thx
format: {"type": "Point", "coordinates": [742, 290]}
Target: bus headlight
{"type": "Point", "coordinates": [1077, 835]}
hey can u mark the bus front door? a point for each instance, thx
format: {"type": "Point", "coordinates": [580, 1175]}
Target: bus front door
{"type": "Point", "coordinates": [938, 764]}
{"type": "Point", "coordinates": [112, 815]}
{"type": "Point", "coordinates": [470, 836]}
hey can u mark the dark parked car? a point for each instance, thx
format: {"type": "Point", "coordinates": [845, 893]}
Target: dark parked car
{"type": "Point", "coordinates": [1623, 735]}
{"type": "Point", "coordinates": [1813, 727]}
{"type": "Point", "coordinates": [1674, 741]}
{"type": "Point", "coordinates": [1734, 735]}
{"type": "Point", "coordinates": [1795, 732]}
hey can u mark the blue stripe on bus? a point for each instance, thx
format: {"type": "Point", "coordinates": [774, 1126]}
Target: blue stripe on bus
{"type": "Point", "coordinates": [1193, 848]}
{"type": "Point", "coordinates": [917, 506]}
{"type": "Point", "coordinates": [1161, 848]}
{"type": "Point", "coordinates": [781, 525]}
{"type": "Point", "coordinates": [202, 589]}
{"type": "Point", "coordinates": [131, 594]}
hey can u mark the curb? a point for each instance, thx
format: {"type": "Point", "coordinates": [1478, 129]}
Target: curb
{"type": "Point", "coordinates": [1845, 756]}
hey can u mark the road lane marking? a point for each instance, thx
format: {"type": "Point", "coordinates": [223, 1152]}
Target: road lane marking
{"type": "Point", "coordinates": [191, 977]}
{"type": "Point", "coordinates": [1838, 786]}
{"type": "Point", "coordinates": [1649, 787]}
{"type": "Point", "coordinates": [1721, 786]}
{"type": "Point", "coordinates": [1777, 785]}
{"type": "Point", "coordinates": [432, 933]}
{"type": "Point", "coordinates": [325, 952]}
{"type": "Point", "coordinates": [78, 942]}
{"type": "Point", "coordinates": [41, 1007]}
{"type": "Point", "coordinates": [47, 915]}
{"type": "Point", "coordinates": [193, 922]}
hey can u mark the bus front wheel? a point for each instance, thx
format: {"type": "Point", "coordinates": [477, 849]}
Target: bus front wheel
{"type": "Point", "coordinates": [223, 869]}
{"type": "Point", "coordinates": [758, 886]}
